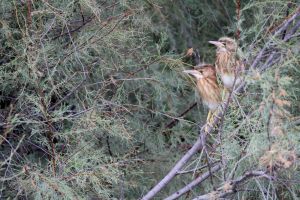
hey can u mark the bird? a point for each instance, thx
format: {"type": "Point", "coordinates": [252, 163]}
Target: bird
{"type": "Point", "coordinates": [207, 86]}
{"type": "Point", "coordinates": [228, 66]}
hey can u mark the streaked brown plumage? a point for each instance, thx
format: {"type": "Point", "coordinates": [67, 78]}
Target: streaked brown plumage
{"type": "Point", "coordinates": [227, 64]}
{"type": "Point", "coordinates": [207, 85]}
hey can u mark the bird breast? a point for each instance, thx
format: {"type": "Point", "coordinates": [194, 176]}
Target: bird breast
{"type": "Point", "coordinates": [209, 92]}
{"type": "Point", "coordinates": [225, 62]}
{"type": "Point", "coordinates": [211, 106]}
{"type": "Point", "coordinates": [228, 80]}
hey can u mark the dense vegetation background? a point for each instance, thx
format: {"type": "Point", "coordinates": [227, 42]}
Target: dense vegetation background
{"type": "Point", "coordinates": [92, 97]}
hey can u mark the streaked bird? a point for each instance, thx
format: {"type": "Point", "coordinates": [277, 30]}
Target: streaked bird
{"type": "Point", "coordinates": [228, 66]}
{"type": "Point", "coordinates": [207, 86]}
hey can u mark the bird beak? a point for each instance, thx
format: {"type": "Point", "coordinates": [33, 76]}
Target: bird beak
{"type": "Point", "coordinates": [217, 43]}
{"type": "Point", "coordinates": [194, 73]}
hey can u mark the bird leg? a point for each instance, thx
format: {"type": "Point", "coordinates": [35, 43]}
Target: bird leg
{"type": "Point", "coordinates": [225, 92]}
{"type": "Point", "coordinates": [209, 121]}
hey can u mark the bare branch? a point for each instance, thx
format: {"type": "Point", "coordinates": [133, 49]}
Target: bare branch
{"type": "Point", "coordinates": [279, 31]}
{"type": "Point", "coordinates": [229, 187]}
{"type": "Point", "coordinates": [196, 147]}
{"type": "Point", "coordinates": [194, 183]}
{"type": "Point", "coordinates": [205, 130]}
{"type": "Point", "coordinates": [195, 169]}
{"type": "Point", "coordinates": [175, 121]}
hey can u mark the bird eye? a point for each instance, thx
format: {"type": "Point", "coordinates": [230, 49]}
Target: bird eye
{"type": "Point", "coordinates": [223, 42]}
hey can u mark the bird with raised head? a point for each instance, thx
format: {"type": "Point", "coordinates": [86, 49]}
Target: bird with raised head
{"type": "Point", "coordinates": [207, 86]}
{"type": "Point", "coordinates": [228, 66]}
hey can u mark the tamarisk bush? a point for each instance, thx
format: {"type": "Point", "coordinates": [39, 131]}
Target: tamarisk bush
{"type": "Point", "coordinates": [94, 104]}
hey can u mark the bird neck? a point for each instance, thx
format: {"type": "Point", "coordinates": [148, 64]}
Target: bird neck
{"type": "Point", "coordinates": [225, 59]}
{"type": "Point", "coordinates": [209, 88]}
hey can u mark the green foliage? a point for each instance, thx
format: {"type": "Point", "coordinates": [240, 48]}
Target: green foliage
{"type": "Point", "coordinates": [88, 88]}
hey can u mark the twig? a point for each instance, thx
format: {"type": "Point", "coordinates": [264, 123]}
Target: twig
{"type": "Point", "coordinates": [145, 66]}
{"type": "Point", "coordinates": [208, 165]}
{"type": "Point", "coordinates": [268, 61]}
{"type": "Point", "coordinates": [194, 183]}
{"type": "Point", "coordinates": [238, 16]}
{"type": "Point", "coordinates": [85, 22]}
{"type": "Point", "coordinates": [287, 14]}
{"type": "Point", "coordinates": [47, 117]}
{"type": "Point", "coordinates": [286, 37]}
{"type": "Point", "coordinates": [274, 57]}
{"type": "Point", "coordinates": [261, 189]}
{"type": "Point", "coordinates": [230, 186]}
{"type": "Point", "coordinates": [8, 124]}
{"type": "Point", "coordinates": [29, 18]}
{"type": "Point", "coordinates": [175, 121]}
{"type": "Point", "coordinates": [13, 151]}
{"type": "Point", "coordinates": [291, 33]}
{"type": "Point", "coordinates": [283, 27]}
{"type": "Point", "coordinates": [195, 169]}
{"type": "Point", "coordinates": [220, 132]}
{"type": "Point", "coordinates": [69, 94]}
{"type": "Point", "coordinates": [232, 173]}
{"type": "Point", "coordinates": [123, 16]}
{"type": "Point", "coordinates": [122, 196]}
{"type": "Point", "coordinates": [270, 117]}
{"type": "Point", "coordinates": [108, 145]}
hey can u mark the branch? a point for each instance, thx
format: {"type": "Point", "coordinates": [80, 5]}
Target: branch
{"type": "Point", "coordinates": [274, 57]}
{"type": "Point", "coordinates": [205, 130]}
{"type": "Point", "coordinates": [196, 147]}
{"type": "Point", "coordinates": [8, 123]}
{"type": "Point", "coordinates": [175, 121]}
{"type": "Point", "coordinates": [291, 33]}
{"type": "Point", "coordinates": [68, 95]}
{"type": "Point", "coordinates": [13, 151]}
{"type": "Point", "coordinates": [90, 19]}
{"type": "Point", "coordinates": [238, 17]}
{"type": "Point", "coordinates": [29, 18]}
{"type": "Point", "coordinates": [196, 169]}
{"type": "Point", "coordinates": [283, 27]}
{"type": "Point", "coordinates": [194, 183]}
{"type": "Point", "coordinates": [289, 5]}
{"type": "Point", "coordinates": [230, 186]}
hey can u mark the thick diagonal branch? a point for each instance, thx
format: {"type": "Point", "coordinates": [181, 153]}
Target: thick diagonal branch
{"type": "Point", "coordinates": [194, 183]}
{"type": "Point", "coordinates": [205, 130]}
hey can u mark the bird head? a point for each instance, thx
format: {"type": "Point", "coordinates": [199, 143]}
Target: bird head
{"type": "Point", "coordinates": [225, 44]}
{"type": "Point", "coordinates": [207, 85]}
{"type": "Point", "coordinates": [205, 71]}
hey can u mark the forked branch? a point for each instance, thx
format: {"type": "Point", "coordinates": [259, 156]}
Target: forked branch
{"type": "Point", "coordinates": [205, 130]}
{"type": "Point", "coordinates": [230, 187]}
